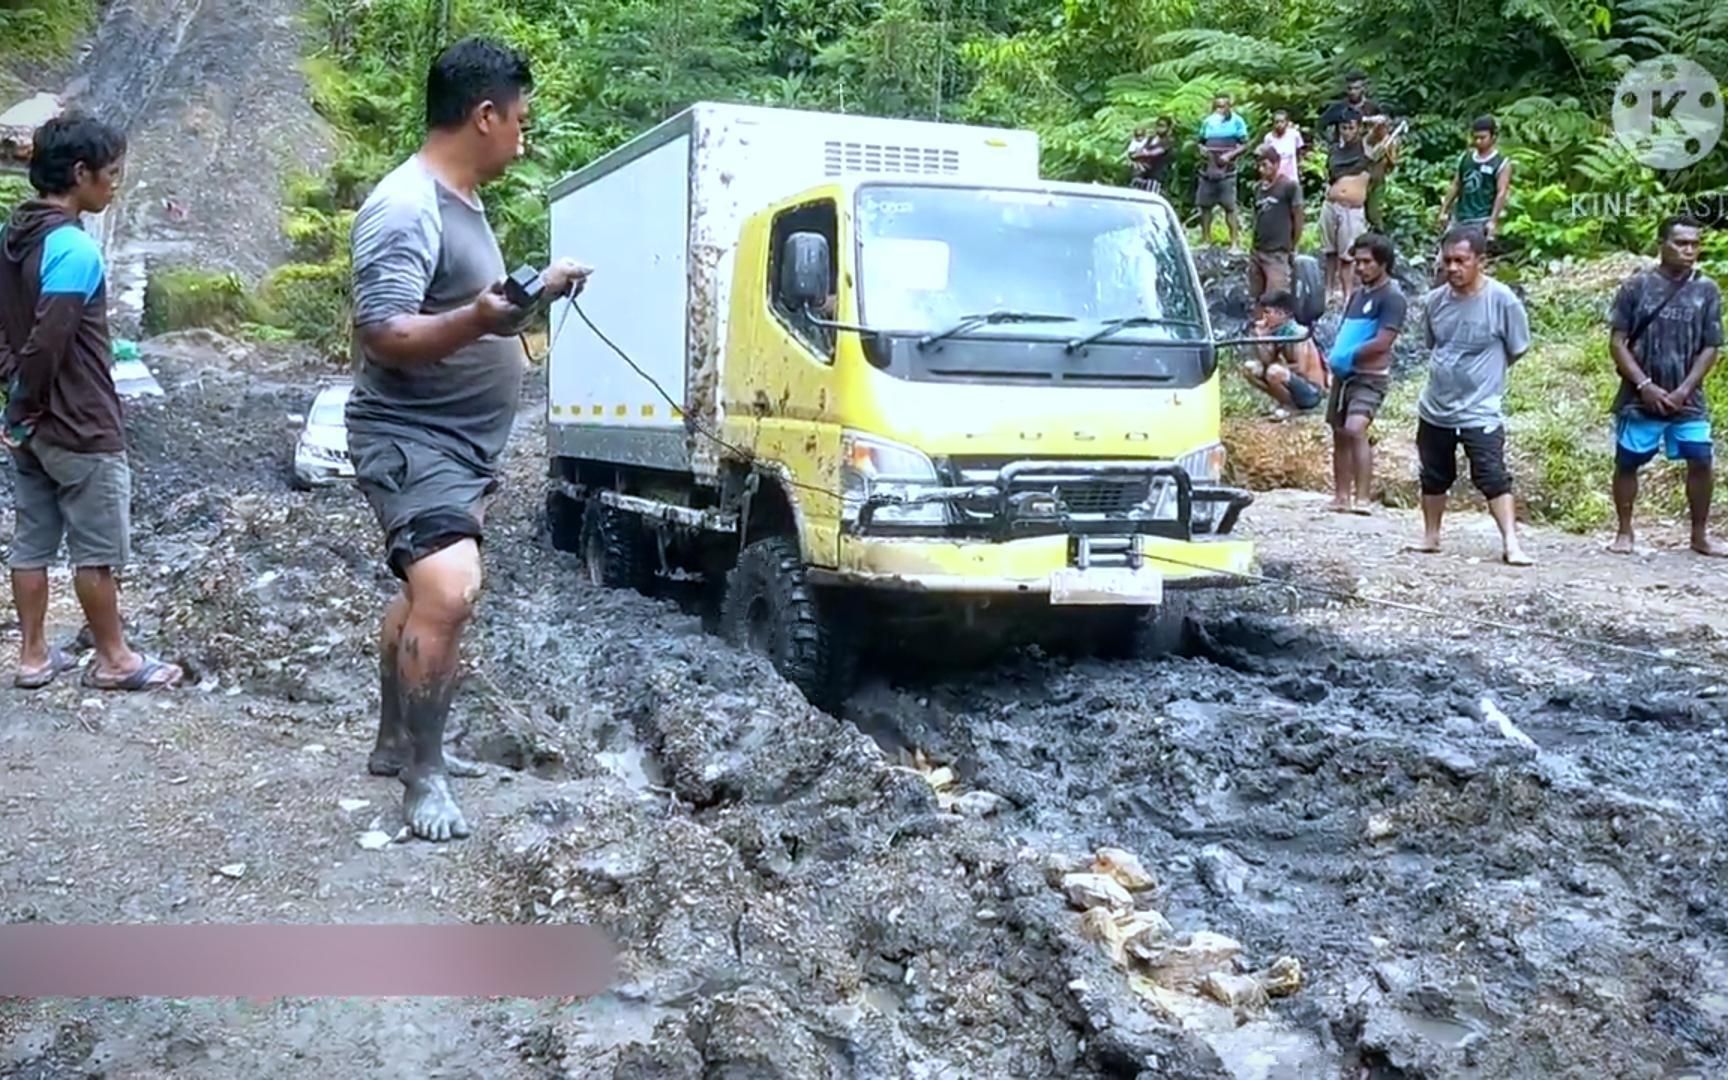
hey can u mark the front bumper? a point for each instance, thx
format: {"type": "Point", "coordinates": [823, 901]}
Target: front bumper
{"type": "Point", "coordinates": [1039, 566]}
{"type": "Point", "coordinates": [316, 471]}
{"type": "Point", "coordinates": [1103, 532]}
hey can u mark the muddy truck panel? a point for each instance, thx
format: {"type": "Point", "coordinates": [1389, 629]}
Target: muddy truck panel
{"type": "Point", "coordinates": [661, 217]}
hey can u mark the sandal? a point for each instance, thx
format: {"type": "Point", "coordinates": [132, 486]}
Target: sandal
{"type": "Point", "coordinates": [152, 674]}
{"type": "Point", "coordinates": [58, 661]}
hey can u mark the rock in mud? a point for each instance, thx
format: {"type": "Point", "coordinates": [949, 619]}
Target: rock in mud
{"type": "Point", "coordinates": [1379, 827]}
{"type": "Point", "coordinates": [1088, 891]}
{"type": "Point", "coordinates": [1234, 991]}
{"type": "Point", "coordinates": [1125, 867]}
{"type": "Point", "coordinates": [1124, 935]}
{"type": "Point", "coordinates": [1184, 963]}
{"type": "Point", "coordinates": [1223, 871]}
{"type": "Point", "coordinates": [753, 1033]}
{"type": "Point", "coordinates": [1283, 978]}
{"type": "Point", "coordinates": [979, 804]}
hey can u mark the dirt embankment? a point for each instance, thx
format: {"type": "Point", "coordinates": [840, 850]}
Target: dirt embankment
{"type": "Point", "coordinates": [803, 896]}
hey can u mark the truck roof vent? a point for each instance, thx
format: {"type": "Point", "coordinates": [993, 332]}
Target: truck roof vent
{"type": "Point", "coordinates": [859, 157]}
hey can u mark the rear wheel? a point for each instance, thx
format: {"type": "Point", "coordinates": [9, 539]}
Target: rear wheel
{"type": "Point", "coordinates": [564, 521]}
{"type": "Point", "coordinates": [616, 551]}
{"type": "Point", "coordinates": [771, 609]}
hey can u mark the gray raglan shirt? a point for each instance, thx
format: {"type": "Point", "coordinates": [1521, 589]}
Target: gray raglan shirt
{"type": "Point", "coordinates": [421, 248]}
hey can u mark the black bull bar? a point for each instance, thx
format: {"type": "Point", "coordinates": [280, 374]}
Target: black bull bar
{"type": "Point", "coordinates": [1040, 498]}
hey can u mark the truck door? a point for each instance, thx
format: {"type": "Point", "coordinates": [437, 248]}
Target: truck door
{"type": "Point", "coordinates": [788, 381]}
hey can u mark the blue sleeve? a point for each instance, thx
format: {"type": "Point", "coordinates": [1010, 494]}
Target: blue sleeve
{"type": "Point", "coordinates": [1241, 127]}
{"type": "Point", "coordinates": [71, 263]}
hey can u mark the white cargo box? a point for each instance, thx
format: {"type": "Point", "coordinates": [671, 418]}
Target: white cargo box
{"type": "Point", "coordinates": [658, 219]}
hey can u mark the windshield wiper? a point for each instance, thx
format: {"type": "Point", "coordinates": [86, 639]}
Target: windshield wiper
{"type": "Point", "coordinates": [973, 322]}
{"type": "Point", "coordinates": [1112, 326]}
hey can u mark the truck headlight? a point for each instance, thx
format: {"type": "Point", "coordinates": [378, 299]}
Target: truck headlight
{"type": "Point", "coordinates": [1205, 465]}
{"type": "Point", "coordinates": [871, 467]}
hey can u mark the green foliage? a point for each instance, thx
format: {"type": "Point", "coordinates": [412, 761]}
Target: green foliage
{"type": "Point", "coordinates": [14, 189]}
{"type": "Point", "coordinates": [180, 298]}
{"type": "Point", "coordinates": [310, 301]}
{"type": "Point", "coordinates": [43, 29]}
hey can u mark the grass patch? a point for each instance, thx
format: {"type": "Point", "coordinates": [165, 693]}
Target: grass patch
{"type": "Point", "coordinates": [43, 30]}
{"type": "Point", "coordinates": [182, 298]}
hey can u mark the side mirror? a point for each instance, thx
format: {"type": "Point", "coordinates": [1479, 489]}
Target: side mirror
{"type": "Point", "coordinates": [805, 280]}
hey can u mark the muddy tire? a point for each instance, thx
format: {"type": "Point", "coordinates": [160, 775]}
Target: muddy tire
{"type": "Point", "coordinates": [1308, 286]}
{"type": "Point", "coordinates": [564, 521]}
{"type": "Point", "coordinates": [771, 609]}
{"type": "Point", "coordinates": [616, 552]}
{"type": "Point", "coordinates": [1140, 634]}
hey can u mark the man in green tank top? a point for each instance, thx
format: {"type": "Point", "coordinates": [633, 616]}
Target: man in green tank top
{"type": "Point", "coordinates": [1479, 188]}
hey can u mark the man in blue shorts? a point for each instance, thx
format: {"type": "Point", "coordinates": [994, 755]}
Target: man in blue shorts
{"type": "Point", "coordinates": [1666, 331]}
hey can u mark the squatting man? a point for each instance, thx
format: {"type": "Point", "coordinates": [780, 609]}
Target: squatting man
{"type": "Point", "coordinates": [439, 383]}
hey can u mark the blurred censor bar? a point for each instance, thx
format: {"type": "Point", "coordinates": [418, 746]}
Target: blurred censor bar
{"type": "Point", "coordinates": [222, 960]}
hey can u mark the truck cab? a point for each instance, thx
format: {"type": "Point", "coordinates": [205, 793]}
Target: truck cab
{"type": "Point", "coordinates": [985, 403]}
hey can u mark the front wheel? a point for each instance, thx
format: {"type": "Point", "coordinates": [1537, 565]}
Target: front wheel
{"type": "Point", "coordinates": [771, 609]}
{"type": "Point", "coordinates": [1142, 633]}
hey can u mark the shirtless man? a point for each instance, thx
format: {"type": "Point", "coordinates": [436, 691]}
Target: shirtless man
{"type": "Point", "coordinates": [1343, 217]}
{"type": "Point", "coordinates": [1291, 372]}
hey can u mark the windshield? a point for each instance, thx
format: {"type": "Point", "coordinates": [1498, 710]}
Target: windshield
{"type": "Point", "coordinates": [931, 256]}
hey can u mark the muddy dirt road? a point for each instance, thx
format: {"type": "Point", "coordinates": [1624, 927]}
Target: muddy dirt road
{"type": "Point", "coordinates": [803, 896]}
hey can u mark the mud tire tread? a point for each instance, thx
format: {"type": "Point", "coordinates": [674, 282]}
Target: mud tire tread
{"type": "Point", "coordinates": [625, 558]}
{"type": "Point", "coordinates": [809, 649]}
{"type": "Point", "coordinates": [564, 521]}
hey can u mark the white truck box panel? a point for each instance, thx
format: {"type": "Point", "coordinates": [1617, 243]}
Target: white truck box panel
{"type": "Point", "coordinates": [728, 161]}
{"type": "Point", "coordinates": [630, 226]}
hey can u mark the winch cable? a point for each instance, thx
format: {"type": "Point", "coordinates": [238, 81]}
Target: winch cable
{"type": "Point", "coordinates": [1241, 575]}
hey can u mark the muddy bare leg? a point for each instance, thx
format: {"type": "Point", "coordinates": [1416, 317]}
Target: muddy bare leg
{"type": "Point", "coordinates": [1700, 486]}
{"type": "Point", "coordinates": [1343, 468]}
{"type": "Point", "coordinates": [30, 597]}
{"type": "Point", "coordinates": [99, 596]}
{"type": "Point", "coordinates": [1357, 428]}
{"type": "Point", "coordinates": [1505, 515]}
{"type": "Point", "coordinates": [1625, 497]}
{"type": "Point", "coordinates": [391, 753]}
{"type": "Point", "coordinates": [442, 589]}
{"type": "Point", "coordinates": [1433, 513]}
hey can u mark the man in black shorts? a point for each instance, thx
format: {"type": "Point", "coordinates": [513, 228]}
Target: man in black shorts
{"type": "Point", "coordinates": [434, 400]}
{"type": "Point", "coordinates": [1361, 363]}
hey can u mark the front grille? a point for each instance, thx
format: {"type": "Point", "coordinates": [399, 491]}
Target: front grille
{"type": "Point", "coordinates": [1096, 496]}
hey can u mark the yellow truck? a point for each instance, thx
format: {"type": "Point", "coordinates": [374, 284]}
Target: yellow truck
{"type": "Point", "coordinates": [869, 378]}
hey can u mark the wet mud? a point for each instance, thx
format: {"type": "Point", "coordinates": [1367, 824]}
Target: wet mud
{"type": "Point", "coordinates": [1484, 863]}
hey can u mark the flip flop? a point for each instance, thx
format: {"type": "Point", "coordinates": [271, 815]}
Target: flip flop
{"type": "Point", "coordinates": [151, 675]}
{"type": "Point", "coordinates": [1418, 549]}
{"type": "Point", "coordinates": [58, 661]}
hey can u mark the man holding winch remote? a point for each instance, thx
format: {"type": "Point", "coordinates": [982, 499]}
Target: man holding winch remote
{"type": "Point", "coordinates": [439, 380]}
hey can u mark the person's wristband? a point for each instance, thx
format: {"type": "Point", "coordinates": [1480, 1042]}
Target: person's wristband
{"type": "Point", "coordinates": [1639, 389]}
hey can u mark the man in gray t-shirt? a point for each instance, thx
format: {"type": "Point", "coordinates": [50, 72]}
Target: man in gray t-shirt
{"type": "Point", "coordinates": [441, 367]}
{"type": "Point", "coordinates": [1476, 329]}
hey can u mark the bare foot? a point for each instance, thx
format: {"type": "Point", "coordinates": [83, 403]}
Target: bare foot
{"type": "Point", "coordinates": [1426, 547]}
{"type": "Point", "coordinates": [1338, 507]}
{"type": "Point", "coordinates": [1622, 545]}
{"type": "Point", "coordinates": [1361, 510]}
{"type": "Point", "coordinates": [1703, 545]}
{"type": "Point", "coordinates": [390, 761]}
{"type": "Point", "coordinates": [430, 809]}
{"type": "Point", "coordinates": [1515, 556]}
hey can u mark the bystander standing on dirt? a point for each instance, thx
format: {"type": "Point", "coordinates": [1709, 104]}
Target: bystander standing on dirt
{"type": "Point", "coordinates": [1665, 335]}
{"type": "Point", "coordinates": [1476, 329]}
{"type": "Point", "coordinates": [433, 403]}
{"type": "Point", "coordinates": [1286, 139]}
{"type": "Point", "coordinates": [63, 421]}
{"type": "Point", "coordinates": [1480, 186]}
{"type": "Point", "coordinates": [1278, 225]}
{"type": "Point", "coordinates": [1343, 218]}
{"type": "Point", "coordinates": [1361, 363]}
{"type": "Point", "coordinates": [1223, 138]}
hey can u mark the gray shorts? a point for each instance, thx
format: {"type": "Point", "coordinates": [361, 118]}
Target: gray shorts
{"type": "Point", "coordinates": [425, 500]}
{"type": "Point", "coordinates": [1340, 227]}
{"type": "Point", "coordinates": [1210, 191]}
{"type": "Point", "coordinates": [84, 499]}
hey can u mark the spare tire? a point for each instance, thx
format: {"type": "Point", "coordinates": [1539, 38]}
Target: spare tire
{"type": "Point", "coordinates": [1308, 286]}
